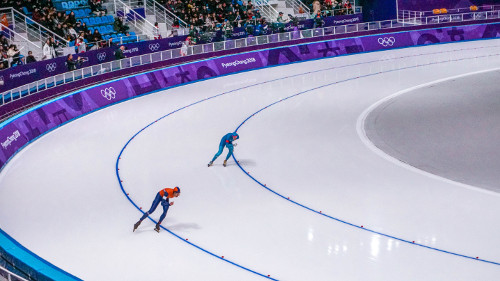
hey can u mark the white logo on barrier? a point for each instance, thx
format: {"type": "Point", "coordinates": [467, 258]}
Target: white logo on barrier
{"type": "Point", "coordinates": [154, 47]}
{"type": "Point", "coordinates": [387, 41]}
{"type": "Point", "coordinates": [101, 56]}
{"type": "Point", "coordinates": [51, 67]}
{"type": "Point", "coordinates": [109, 93]}
{"type": "Point", "coordinates": [11, 139]}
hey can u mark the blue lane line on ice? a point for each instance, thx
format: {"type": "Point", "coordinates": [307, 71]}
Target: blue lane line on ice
{"type": "Point", "coordinates": [331, 217]}
{"type": "Point", "coordinates": [270, 81]}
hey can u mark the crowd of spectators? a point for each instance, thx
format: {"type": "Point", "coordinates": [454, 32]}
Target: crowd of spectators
{"type": "Point", "coordinates": [204, 14]}
{"type": "Point", "coordinates": [10, 55]}
{"type": "Point", "coordinates": [330, 7]}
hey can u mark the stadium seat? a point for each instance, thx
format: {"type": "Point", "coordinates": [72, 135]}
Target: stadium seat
{"type": "Point", "coordinates": [26, 12]}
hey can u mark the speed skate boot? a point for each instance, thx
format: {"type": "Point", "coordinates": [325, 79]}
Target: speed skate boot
{"type": "Point", "coordinates": [225, 163]}
{"type": "Point", "coordinates": [211, 163]}
{"type": "Point", "coordinates": [157, 228]}
{"type": "Point", "coordinates": [136, 225]}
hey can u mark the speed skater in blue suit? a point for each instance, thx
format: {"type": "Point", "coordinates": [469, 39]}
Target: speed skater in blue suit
{"type": "Point", "coordinates": [226, 141]}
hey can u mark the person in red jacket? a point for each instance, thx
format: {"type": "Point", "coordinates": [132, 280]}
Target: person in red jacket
{"type": "Point", "coordinates": [161, 197]}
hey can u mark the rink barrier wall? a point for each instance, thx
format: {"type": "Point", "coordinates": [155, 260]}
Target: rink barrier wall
{"type": "Point", "coordinates": [20, 130]}
{"type": "Point", "coordinates": [19, 105]}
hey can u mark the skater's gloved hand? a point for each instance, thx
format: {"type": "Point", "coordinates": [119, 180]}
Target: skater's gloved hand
{"type": "Point", "coordinates": [171, 203]}
{"type": "Point", "coordinates": [235, 144]}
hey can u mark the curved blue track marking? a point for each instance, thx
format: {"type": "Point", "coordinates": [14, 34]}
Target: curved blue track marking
{"type": "Point", "coordinates": [329, 216]}
{"type": "Point", "coordinates": [120, 182]}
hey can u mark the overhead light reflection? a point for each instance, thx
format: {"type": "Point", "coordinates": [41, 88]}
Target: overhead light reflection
{"type": "Point", "coordinates": [375, 246]}
{"type": "Point", "coordinates": [310, 235]}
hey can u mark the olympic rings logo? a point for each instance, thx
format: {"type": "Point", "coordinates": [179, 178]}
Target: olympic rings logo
{"type": "Point", "coordinates": [51, 67]}
{"type": "Point", "coordinates": [154, 47]}
{"type": "Point", "coordinates": [387, 41]}
{"type": "Point", "coordinates": [101, 56]}
{"type": "Point", "coordinates": [109, 93]}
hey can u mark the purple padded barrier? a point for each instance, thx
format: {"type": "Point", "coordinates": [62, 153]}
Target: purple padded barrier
{"type": "Point", "coordinates": [28, 101]}
{"type": "Point", "coordinates": [17, 132]}
{"type": "Point", "coordinates": [24, 74]}
{"type": "Point", "coordinates": [28, 73]}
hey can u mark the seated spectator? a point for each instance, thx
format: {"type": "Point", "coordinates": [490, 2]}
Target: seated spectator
{"type": "Point", "coordinates": [30, 58]}
{"type": "Point", "coordinates": [348, 7]}
{"type": "Point", "coordinates": [96, 36]}
{"type": "Point", "coordinates": [70, 19]}
{"type": "Point", "coordinates": [13, 55]}
{"type": "Point", "coordinates": [4, 42]}
{"type": "Point", "coordinates": [4, 62]}
{"type": "Point", "coordinates": [89, 37]}
{"type": "Point", "coordinates": [82, 47]}
{"type": "Point", "coordinates": [118, 25]}
{"type": "Point", "coordinates": [119, 53]}
{"type": "Point", "coordinates": [73, 64]}
{"type": "Point", "coordinates": [96, 8]}
{"type": "Point", "coordinates": [72, 32]}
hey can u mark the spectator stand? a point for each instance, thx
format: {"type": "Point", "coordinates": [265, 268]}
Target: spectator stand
{"type": "Point", "coordinates": [169, 54]}
{"type": "Point", "coordinates": [28, 30]}
{"type": "Point", "coordinates": [168, 22]}
{"type": "Point", "coordinates": [91, 16]}
{"type": "Point", "coordinates": [24, 45]}
{"type": "Point", "coordinates": [300, 10]}
{"type": "Point", "coordinates": [133, 18]}
{"type": "Point", "coordinates": [438, 14]}
{"type": "Point", "coordinates": [266, 10]}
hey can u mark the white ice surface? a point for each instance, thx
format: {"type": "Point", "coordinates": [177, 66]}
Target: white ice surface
{"type": "Point", "coordinates": [61, 199]}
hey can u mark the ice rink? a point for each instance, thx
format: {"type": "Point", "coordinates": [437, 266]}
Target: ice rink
{"type": "Point", "coordinates": [312, 199]}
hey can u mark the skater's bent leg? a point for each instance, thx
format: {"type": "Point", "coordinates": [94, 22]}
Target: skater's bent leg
{"type": "Point", "coordinates": [221, 147]}
{"type": "Point", "coordinates": [165, 209]}
{"type": "Point", "coordinates": [153, 207]}
{"type": "Point", "coordinates": [230, 152]}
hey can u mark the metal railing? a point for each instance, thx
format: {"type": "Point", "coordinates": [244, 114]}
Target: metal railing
{"type": "Point", "coordinates": [68, 77]}
{"type": "Point", "coordinates": [14, 36]}
{"type": "Point", "coordinates": [343, 11]}
{"type": "Point", "coordinates": [133, 19]}
{"type": "Point", "coordinates": [266, 10]}
{"type": "Point", "coordinates": [417, 16]}
{"type": "Point", "coordinates": [416, 19]}
{"type": "Point", "coordinates": [162, 14]}
{"type": "Point", "coordinates": [9, 276]}
{"type": "Point", "coordinates": [299, 8]}
{"type": "Point", "coordinates": [34, 31]}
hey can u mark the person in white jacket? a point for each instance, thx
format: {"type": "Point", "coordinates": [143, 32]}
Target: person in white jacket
{"type": "Point", "coordinates": [48, 50]}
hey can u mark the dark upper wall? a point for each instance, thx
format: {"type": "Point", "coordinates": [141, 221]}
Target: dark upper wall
{"type": "Point", "coordinates": [378, 10]}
